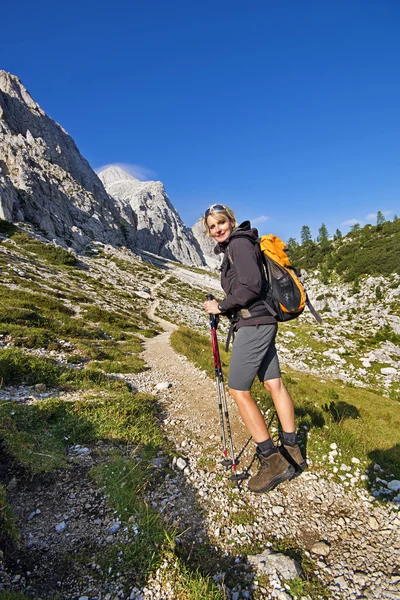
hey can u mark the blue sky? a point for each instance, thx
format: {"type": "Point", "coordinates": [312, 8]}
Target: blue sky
{"type": "Point", "coordinates": [286, 111]}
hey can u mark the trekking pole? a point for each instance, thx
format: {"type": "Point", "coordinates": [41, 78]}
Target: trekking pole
{"type": "Point", "coordinates": [221, 397]}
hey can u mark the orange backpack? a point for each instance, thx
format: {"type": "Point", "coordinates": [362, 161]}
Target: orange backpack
{"type": "Point", "coordinates": [286, 292]}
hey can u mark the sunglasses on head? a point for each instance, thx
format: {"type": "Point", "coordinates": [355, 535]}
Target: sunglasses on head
{"type": "Point", "coordinates": [214, 207]}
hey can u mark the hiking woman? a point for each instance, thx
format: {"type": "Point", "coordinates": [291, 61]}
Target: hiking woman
{"type": "Point", "coordinates": [253, 354]}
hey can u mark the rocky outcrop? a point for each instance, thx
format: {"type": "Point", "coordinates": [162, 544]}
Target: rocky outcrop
{"type": "Point", "coordinates": [157, 225]}
{"type": "Point", "coordinates": [45, 181]}
{"type": "Point", "coordinates": [207, 244]}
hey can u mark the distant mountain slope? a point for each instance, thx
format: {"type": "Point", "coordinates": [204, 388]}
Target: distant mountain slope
{"type": "Point", "coordinates": [207, 244]}
{"type": "Point", "coordinates": [146, 207]}
{"type": "Point", "coordinates": [369, 250]}
{"type": "Point", "coordinates": [45, 181]}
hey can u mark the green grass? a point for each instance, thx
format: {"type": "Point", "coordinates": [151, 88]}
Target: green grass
{"type": "Point", "coordinates": [37, 436]}
{"type": "Point", "coordinates": [193, 295]}
{"type": "Point", "coordinates": [8, 595]}
{"type": "Point", "coordinates": [17, 367]}
{"type": "Point", "coordinates": [193, 585]}
{"type": "Point", "coordinates": [54, 255]}
{"type": "Point", "coordinates": [8, 523]}
{"type": "Point", "coordinates": [124, 480]}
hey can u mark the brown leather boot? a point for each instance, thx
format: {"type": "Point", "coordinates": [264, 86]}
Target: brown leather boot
{"type": "Point", "coordinates": [293, 455]}
{"type": "Point", "coordinates": [273, 470]}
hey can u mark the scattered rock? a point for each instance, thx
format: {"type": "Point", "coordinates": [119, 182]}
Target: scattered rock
{"type": "Point", "coordinates": [322, 548]}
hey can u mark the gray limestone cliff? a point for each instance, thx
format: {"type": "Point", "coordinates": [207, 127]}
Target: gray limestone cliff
{"type": "Point", "coordinates": [157, 225]}
{"type": "Point", "coordinates": [45, 181]}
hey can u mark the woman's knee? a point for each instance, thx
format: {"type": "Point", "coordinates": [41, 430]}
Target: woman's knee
{"type": "Point", "coordinates": [273, 385]}
{"type": "Point", "coordinates": [240, 395]}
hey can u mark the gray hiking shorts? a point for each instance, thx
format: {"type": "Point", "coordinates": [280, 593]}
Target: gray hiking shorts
{"type": "Point", "coordinates": [253, 353]}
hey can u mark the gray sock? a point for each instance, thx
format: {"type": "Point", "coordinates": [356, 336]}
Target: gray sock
{"type": "Point", "coordinates": [290, 438]}
{"type": "Point", "coordinates": [267, 447]}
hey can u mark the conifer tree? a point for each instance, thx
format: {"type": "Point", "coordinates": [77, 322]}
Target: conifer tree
{"type": "Point", "coordinates": [323, 235]}
{"type": "Point", "coordinates": [338, 235]}
{"type": "Point", "coordinates": [305, 235]}
{"type": "Point", "coordinates": [380, 219]}
{"type": "Point", "coordinates": [292, 244]}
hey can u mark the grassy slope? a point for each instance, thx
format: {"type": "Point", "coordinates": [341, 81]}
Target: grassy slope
{"type": "Point", "coordinates": [91, 324]}
{"type": "Point", "coordinates": [48, 301]}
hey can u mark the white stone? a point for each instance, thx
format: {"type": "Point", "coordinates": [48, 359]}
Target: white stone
{"type": "Point", "coordinates": [278, 510]}
{"type": "Point", "coordinates": [394, 485]}
{"type": "Point", "coordinates": [181, 463]}
{"type": "Point", "coordinates": [163, 385]}
{"type": "Point", "coordinates": [60, 527]}
{"type": "Point", "coordinates": [389, 371]}
{"type": "Point", "coordinates": [322, 548]}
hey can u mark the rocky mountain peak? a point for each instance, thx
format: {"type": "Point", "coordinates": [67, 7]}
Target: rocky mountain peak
{"type": "Point", "coordinates": [12, 86]}
{"type": "Point", "coordinates": [146, 207]}
{"type": "Point", "coordinates": [44, 180]}
{"type": "Point", "coordinates": [115, 174]}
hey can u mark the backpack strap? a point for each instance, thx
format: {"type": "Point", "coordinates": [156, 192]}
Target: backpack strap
{"type": "Point", "coordinates": [312, 310]}
{"type": "Point", "coordinates": [231, 335]}
{"type": "Point", "coordinates": [256, 303]}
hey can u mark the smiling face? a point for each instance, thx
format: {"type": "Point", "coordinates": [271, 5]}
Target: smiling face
{"type": "Point", "coordinates": [219, 226]}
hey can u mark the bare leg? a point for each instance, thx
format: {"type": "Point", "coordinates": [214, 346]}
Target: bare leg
{"type": "Point", "coordinates": [283, 403]}
{"type": "Point", "coordinates": [251, 415]}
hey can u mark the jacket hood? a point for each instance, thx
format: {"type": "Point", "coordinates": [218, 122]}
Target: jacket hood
{"type": "Point", "coordinates": [244, 230]}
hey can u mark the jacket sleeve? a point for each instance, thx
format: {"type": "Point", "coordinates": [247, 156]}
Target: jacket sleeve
{"type": "Point", "coordinates": [249, 281]}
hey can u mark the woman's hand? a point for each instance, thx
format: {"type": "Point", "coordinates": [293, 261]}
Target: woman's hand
{"type": "Point", "coordinates": [211, 307]}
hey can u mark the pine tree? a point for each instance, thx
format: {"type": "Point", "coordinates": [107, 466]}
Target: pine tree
{"type": "Point", "coordinates": [292, 245]}
{"type": "Point", "coordinates": [323, 235]}
{"type": "Point", "coordinates": [338, 235]}
{"type": "Point", "coordinates": [380, 219]}
{"type": "Point", "coordinates": [305, 235]}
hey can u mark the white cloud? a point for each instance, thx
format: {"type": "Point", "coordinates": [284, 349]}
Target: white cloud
{"type": "Point", "coordinates": [351, 222]}
{"type": "Point", "coordinates": [258, 220]}
{"type": "Point", "coordinates": [137, 171]}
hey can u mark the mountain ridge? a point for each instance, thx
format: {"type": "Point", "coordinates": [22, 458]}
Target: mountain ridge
{"type": "Point", "coordinates": [45, 182]}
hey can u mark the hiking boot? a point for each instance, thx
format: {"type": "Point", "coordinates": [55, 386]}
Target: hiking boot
{"type": "Point", "coordinates": [293, 455]}
{"type": "Point", "coordinates": [273, 470]}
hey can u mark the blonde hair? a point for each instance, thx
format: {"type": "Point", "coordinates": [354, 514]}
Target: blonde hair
{"type": "Point", "coordinates": [215, 212]}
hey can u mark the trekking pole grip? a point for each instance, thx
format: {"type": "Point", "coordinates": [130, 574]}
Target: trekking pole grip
{"type": "Point", "coordinates": [213, 318]}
